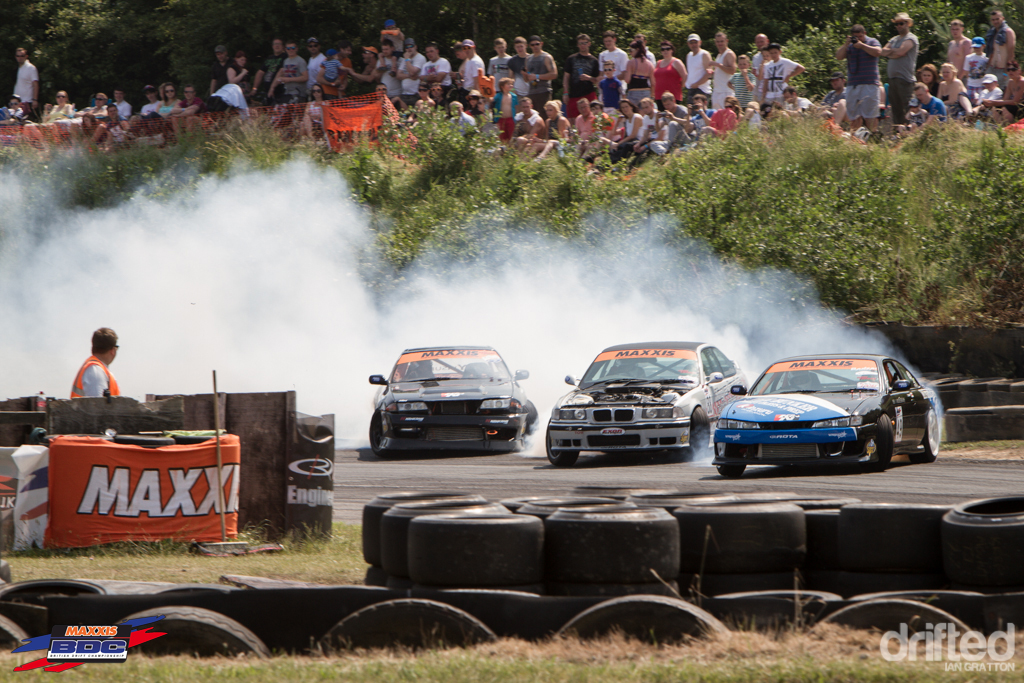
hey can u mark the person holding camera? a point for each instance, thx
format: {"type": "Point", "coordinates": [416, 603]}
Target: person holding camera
{"type": "Point", "coordinates": [861, 53]}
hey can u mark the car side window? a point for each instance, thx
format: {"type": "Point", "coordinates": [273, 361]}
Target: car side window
{"type": "Point", "coordinates": [726, 366]}
{"type": "Point", "coordinates": [906, 374]}
{"type": "Point", "coordinates": [892, 373]}
{"type": "Point", "coordinates": [709, 362]}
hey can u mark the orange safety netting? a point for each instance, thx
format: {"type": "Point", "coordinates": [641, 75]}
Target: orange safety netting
{"type": "Point", "coordinates": [344, 121]}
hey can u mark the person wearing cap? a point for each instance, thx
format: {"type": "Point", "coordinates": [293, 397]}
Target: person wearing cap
{"type": "Point", "coordinates": [1000, 44]}
{"type": "Point", "coordinates": [150, 109]}
{"type": "Point", "coordinates": [1009, 108]}
{"type": "Point", "coordinates": [901, 51]}
{"type": "Point", "coordinates": [958, 48]}
{"type": "Point", "coordinates": [540, 71]}
{"type": "Point", "coordinates": [835, 100]}
{"type": "Point", "coordinates": [990, 88]}
{"type": "Point", "coordinates": [472, 65]}
{"type": "Point", "coordinates": [975, 65]}
{"type": "Point", "coordinates": [369, 72]}
{"type": "Point", "coordinates": [777, 72]}
{"type": "Point", "coordinates": [698, 62]}
{"type": "Point", "coordinates": [329, 74]}
{"type": "Point", "coordinates": [316, 58]}
{"type": "Point", "coordinates": [392, 33]}
{"type": "Point", "coordinates": [409, 68]}
{"type": "Point", "coordinates": [861, 53]}
{"type": "Point", "coordinates": [219, 71]}
{"type": "Point", "coordinates": [915, 117]}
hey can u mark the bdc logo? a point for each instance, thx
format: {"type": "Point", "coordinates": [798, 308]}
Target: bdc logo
{"type": "Point", "coordinates": [69, 646]}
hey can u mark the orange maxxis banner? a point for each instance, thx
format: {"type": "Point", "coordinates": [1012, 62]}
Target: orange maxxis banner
{"type": "Point", "coordinates": [827, 364]}
{"type": "Point", "coordinates": [102, 492]}
{"type": "Point", "coordinates": [646, 353]}
{"type": "Point", "coordinates": [447, 354]}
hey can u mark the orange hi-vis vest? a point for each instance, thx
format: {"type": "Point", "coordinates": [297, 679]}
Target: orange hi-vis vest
{"type": "Point", "coordinates": [76, 389]}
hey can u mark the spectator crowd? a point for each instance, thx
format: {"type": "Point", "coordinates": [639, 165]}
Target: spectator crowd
{"type": "Point", "coordinates": [633, 102]}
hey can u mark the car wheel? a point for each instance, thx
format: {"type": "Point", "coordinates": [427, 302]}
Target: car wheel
{"type": "Point", "coordinates": [561, 458]}
{"type": "Point", "coordinates": [700, 434]}
{"type": "Point", "coordinates": [884, 443]}
{"type": "Point", "coordinates": [531, 418]}
{"type": "Point", "coordinates": [377, 437]}
{"type": "Point", "coordinates": [930, 441]}
{"type": "Point", "coordinates": [731, 471]}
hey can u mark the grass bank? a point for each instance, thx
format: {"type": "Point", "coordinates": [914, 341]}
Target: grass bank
{"type": "Point", "coordinates": [927, 231]}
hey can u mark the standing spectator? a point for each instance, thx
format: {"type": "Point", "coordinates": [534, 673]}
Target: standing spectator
{"type": "Point", "coordinates": [953, 93]}
{"type": "Point", "coordinates": [959, 47]}
{"type": "Point", "coordinates": [409, 69]}
{"type": "Point", "coordinates": [265, 76]}
{"type": "Point", "coordinates": [219, 71]}
{"type": "Point", "coordinates": [62, 111]}
{"type": "Point", "coordinates": [639, 72]}
{"type": "Point", "coordinates": [293, 74]}
{"type": "Point", "coordinates": [497, 67]}
{"type": "Point", "coordinates": [743, 82]}
{"type": "Point", "coordinates": [316, 58]}
{"type": "Point", "coordinates": [901, 51]}
{"type": "Point", "coordinates": [723, 68]}
{"type": "Point", "coordinates": [124, 109]}
{"type": "Point", "coordinates": [152, 107]}
{"type": "Point", "coordinates": [611, 89]}
{"type": "Point", "coordinates": [1009, 108]}
{"type": "Point", "coordinates": [669, 72]}
{"type": "Point", "coordinates": [471, 67]}
{"type": "Point", "coordinates": [697, 64]}
{"type": "Point", "coordinates": [345, 57]}
{"type": "Point", "coordinates": [387, 72]}
{"type": "Point", "coordinates": [505, 105]}
{"type": "Point", "coordinates": [1000, 44]}
{"type": "Point", "coordinates": [861, 53]}
{"type": "Point", "coordinates": [725, 119]}
{"type": "Point", "coordinates": [932, 106]}
{"type": "Point", "coordinates": [540, 72]}
{"type": "Point", "coordinates": [650, 55]}
{"type": "Point", "coordinates": [436, 71]}
{"type": "Point", "coordinates": [517, 66]}
{"type": "Point", "coordinates": [613, 54]}
{"type": "Point", "coordinates": [777, 72]}
{"type": "Point", "coordinates": [27, 85]}
{"type": "Point", "coordinates": [929, 75]}
{"type": "Point", "coordinates": [367, 75]}
{"type": "Point", "coordinates": [761, 42]}
{"type": "Point", "coordinates": [975, 65]}
{"type": "Point", "coordinates": [581, 72]}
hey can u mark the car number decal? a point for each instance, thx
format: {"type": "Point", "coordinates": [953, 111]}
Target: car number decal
{"type": "Point", "coordinates": [899, 424]}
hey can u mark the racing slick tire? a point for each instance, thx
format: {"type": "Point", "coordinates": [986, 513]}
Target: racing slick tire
{"type": "Point", "coordinates": [201, 632]}
{"type": "Point", "coordinates": [700, 434]}
{"type": "Point", "coordinates": [884, 444]}
{"type": "Point", "coordinates": [414, 623]}
{"type": "Point", "coordinates": [746, 538]}
{"type": "Point", "coordinates": [889, 614]}
{"type": "Point", "coordinates": [930, 440]}
{"type": "Point", "coordinates": [375, 509]}
{"type": "Point", "coordinates": [890, 537]}
{"type": "Point", "coordinates": [11, 634]}
{"type": "Point", "coordinates": [983, 542]}
{"type": "Point", "coordinates": [650, 618]}
{"type": "Point", "coordinates": [532, 418]}
{"type": "Point", "coordinates": [562, 458]}
{"type": "Point", "coordinates": [377, 437]}
{"type": "Point", "coordinates": [731, 471]}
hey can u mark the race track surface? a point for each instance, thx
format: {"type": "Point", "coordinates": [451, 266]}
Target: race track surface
{"type": "Point", "coordinates": [359, 476]}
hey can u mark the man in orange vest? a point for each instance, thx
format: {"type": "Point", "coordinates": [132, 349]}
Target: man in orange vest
{"type": "Point", "coordinates": [94, 378]}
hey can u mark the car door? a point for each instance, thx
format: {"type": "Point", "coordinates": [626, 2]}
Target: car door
{"type": "Point", "coordinates": [909, 418]}
{"type": "Point", "coordinates": [717, 391]}
{"type": "Point", "coordinates": [919, 403]}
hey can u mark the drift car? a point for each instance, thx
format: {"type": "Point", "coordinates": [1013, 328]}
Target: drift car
{"type": "Point", "coordinates": [455, 397]}
{"type": "Point", "coordinates": [836, 408]}
{"type": "Point", "coordinates": [643, 397]}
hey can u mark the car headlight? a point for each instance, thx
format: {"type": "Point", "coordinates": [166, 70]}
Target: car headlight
{"type": "Point", "coordinates": [856, 420]}
{"type": "Point", "coordinates": [825, 424]}
{"type": "Point", "coordinates": [496, 403]}
{"type": "Point", "coordinates": [659, 413]}
{"type": "Point", "coordinates": [412, 405]}
{"type": "Point", "coordinates": [572, 414]}
{"type": "Point", "coordinates": [738, 424]}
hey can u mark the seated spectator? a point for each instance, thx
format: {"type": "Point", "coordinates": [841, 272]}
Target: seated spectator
{"type": "Point", "coordinates": [231, 96]}
{"type": "Point", "coordinates": [99, 108]}
{"type": "Point", "coordinates": [792, 102]}
{"type": "Point", "coordinates": [425, 100]}
{"type": "Point", "coordinates": [931, 106]}
{"type": "Point", "coordinates": [724, 120]}
{"type": "Point", "coordinates": [557, 130]}
{"type": "Point", "coordinates": [838, 92]}
{"type": "Point", "coordinates": [629, 131]}
{"type": "Point", "coordinates": [915, 117]}
{"type": "Point", "coordinates": [62, 111]}
{"type": "Point", "coordinates": [655, 134]}
{"type": "Point", "coordinates": [478, 105]}
{"type": "Point", "coordinates": [113, 132]}
{"type": "Point", "coordinates": [586, 127]}
{"type": "Point", "coordinates": [460, 118]}
{"type": "Point", "coordinates": [529, 124]}
{"type": "Point", "coordinates": [752, 115]}
{"type": "Point", "coordinates": [313, 119]}
{"type": "Point", "coordinates": [929, 75]}
{"type": "Point", "coordinates": [168, 100]}
{"type": "Point", "coordinates": [699, 115]}
{"type": "Point", "coordinates": [505, 105]}
{"type": "Point", "coordinates": [1008, 109]}
{"type": "Point", "coordinates": [437, 94]}
{"type": "Point", "coordinates": [124, 109]}
{"type": "Point", "coordinates": [953, 93]}
{"type": "Point", "coordinates": [610, 89]}
{"type": "Point", "coordinates": [238, 74]}
{"type": "Point", "coordinates": [14, 114]}
{"type": "Point", "coordinates": [990, 89]}
{"type": "Point", "coordinates": [676, 118]}
{"type": "Point", "coordinates": [150, 109]}
{"type": "Point", "coordinates": [192, 105]}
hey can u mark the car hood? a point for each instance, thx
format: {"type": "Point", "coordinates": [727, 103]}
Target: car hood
{"type": "Point", "coordinates": [464, 390]}
{"type": "Point", "coordinates": [797, 407]}
{"type": "Point", "coordinates": [619, 394]}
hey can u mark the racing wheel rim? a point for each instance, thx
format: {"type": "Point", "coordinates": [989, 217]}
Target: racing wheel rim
{"type": "Point", "coordinates": [932, 432]}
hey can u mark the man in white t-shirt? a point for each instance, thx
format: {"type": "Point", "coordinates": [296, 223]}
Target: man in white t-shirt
{"type": "Point", "coordinates": [27, 85]}
{"type": "Point", "coordinates": [437, 69]}
{"type": "Point", "coordinates": [387, 71]}
{"type": "Point", "coordinates": [316, 59]}
{"type": "Point", "coordinates": [777, 72]}
{"type": "Point", "coordinates": [153, 105]}
{"type": "Point", "coordinates": [471, 65]}
{"type": "Point", "coordinates": [655, 132]}
{"type": "Point", "coordinates": [613, 54]}
{"type": "Point", "coordinates": [409, 68]}
{"type": "Point", "coordinates": [529, 124]}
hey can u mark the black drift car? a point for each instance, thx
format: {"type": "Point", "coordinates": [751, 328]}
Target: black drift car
{"type": "Point", "coordinates": [450, 398]}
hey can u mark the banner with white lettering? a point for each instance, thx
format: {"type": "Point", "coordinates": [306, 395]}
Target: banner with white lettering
{"type": "Point", "coordinates": [102, 492]}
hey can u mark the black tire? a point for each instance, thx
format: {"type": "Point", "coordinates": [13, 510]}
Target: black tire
{"type": "Point", "coordinates": [377, 436]}
{"type": "Point", "coordinates": [11, 634]}
{"type": "Point", "coordinates": [891, 537]}
{"type": "Point", "coordinates": [700, 434]}
{"type": "Point", "coordinates": [983, 542]}
{"type": "Point", "coordinates": [967, 606]}
{"type": "Point", "coordinates": [375, 509]}
{"type": "Point", "coordinates": [456, 550]}
{"type": "Point", "coordinates": [409, 623]}
{"type": "Point", "coordinates": [31, 618]}
{"type": "Point", "coordinates": [399, 583]}
{"type": "Point", "coordinates": [769, 610]}
{"type": "Point", "coordinates": [144, 441]}
{"type": "Point", "coordinates": [890, 614]}
{"type": "Point", "coordinates": [670, 500]}
{"type": "Point", "coordinates": [5, 572]}
{"type": "Point", "coordinates": [626, 546]}
{"type": "Point", "coordinates": [514, 504]}
{"type": "Point", "coordinates": [746, 538]}
{"type": "Point", "coordinates": [32, 591]}
{"type": "Point", "coordinates": [545, 507]}
{"type": "Point", "coordinates": [849, 584]}
{"type": "Point", "coordinates": [931, 440]}
{"type": "Point", "coordinates": [394, 528]}
{"type": "Point", "coordinates": [822, 539]}
{"type": "Point", "coordinates": [724, 584]}
{"type": "Point", "coordinates": [824, 502]}
{"type": "Point", "coordinates": [375, 576]}
{"type": "Point", "coordinates": [648, 618]}
{"type": "Point", "coordinates": [669, 589]}
{"type": "Point", "coordinates": [616, 492]}
{"type": "Point", "coordinates": [201, 632]}
{"type": "Point", "coordinates": [884, 445]}
{"type": "Point", "coordinates": [731, 471]}
{"type": "Point", "coordinates": [532, 418]}
{"type": "Point", "coordinates": [561, 458]}
{"type": "Point", "coordinates": [528, 589]}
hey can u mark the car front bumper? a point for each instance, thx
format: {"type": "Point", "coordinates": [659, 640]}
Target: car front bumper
{"type": "Point", "coordinates": [794, 447]}
{"type": "Point", "coordinates": [654, 435]}
{"type": "Point", "coordinates": [502, 433]}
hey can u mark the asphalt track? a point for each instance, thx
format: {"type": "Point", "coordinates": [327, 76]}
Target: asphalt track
{"type": "Point", "coordinates": [359, 476]}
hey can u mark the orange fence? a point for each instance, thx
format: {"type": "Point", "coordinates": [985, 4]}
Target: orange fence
{"type": "Point", "coordinates": [343, 121]}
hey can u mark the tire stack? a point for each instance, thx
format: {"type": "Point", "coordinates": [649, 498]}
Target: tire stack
{"type": "Point", "coordinates": [983, 545]}
{"type": "Point", "coordinates": [879, 547]}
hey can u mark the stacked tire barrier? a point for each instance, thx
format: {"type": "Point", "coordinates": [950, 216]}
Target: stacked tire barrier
{"type": "Point", "coordinates": [981, 409]}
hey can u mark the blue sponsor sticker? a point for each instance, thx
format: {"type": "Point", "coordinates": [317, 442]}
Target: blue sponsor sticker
{"type": "Point", "coordinates": [756, 436]}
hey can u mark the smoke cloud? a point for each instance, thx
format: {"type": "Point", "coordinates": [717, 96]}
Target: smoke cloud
{"type": "Point", "coordinates": [259, 276]}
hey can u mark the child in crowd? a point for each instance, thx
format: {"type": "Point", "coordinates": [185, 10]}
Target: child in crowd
{"type": "Point", "coordinates": [975, 65]}
{"type": "Point", "coordinates": [332, 68]}
{"type": "Point", "coordinates": [916, 116]}
{"type": "Point", "coordinates": [990, 88]}
{"type": "Point", "coordinates": [610, 89]}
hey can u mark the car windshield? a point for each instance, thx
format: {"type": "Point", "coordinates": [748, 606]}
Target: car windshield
{"type": "Point", "coordinates": [653, 365]}
{"type": "Point", "coordinates": [449, 364]}
{"type": "Point", "coordinates": [815, 375]}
